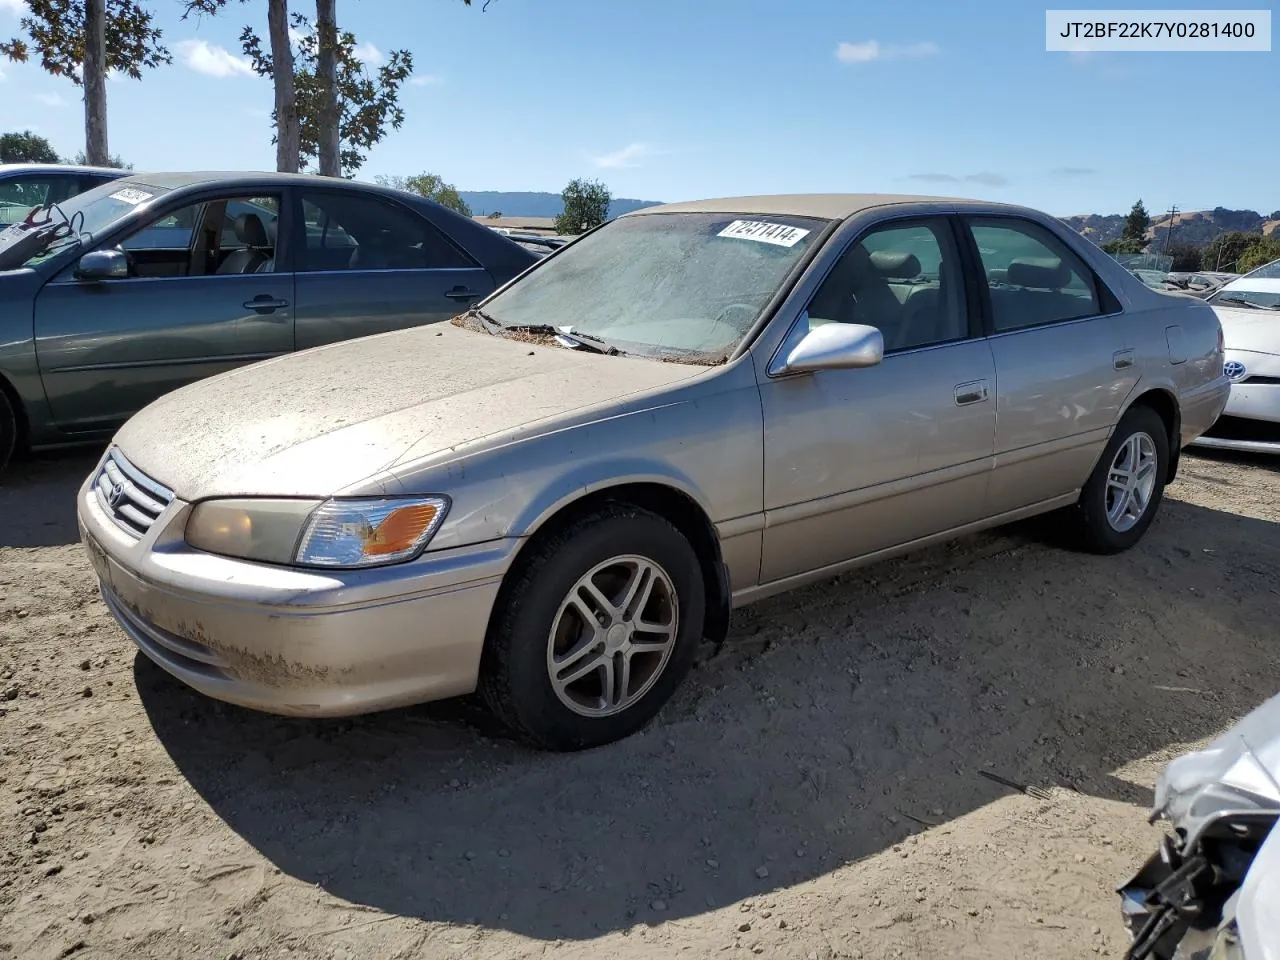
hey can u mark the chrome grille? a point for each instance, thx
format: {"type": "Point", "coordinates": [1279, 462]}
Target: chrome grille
{"type": "Point", "coordinates": [128, 496]}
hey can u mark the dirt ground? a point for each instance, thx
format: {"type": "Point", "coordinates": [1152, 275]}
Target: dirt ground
{"type": "Point", "coordinates": [818, 789]}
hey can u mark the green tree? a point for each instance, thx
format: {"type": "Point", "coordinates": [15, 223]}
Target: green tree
{"type": "Point", "coordinates": [1124, 245]}
{"type": "Point", "coordinates": [115, 161]}
{"type": "Point", "coordinates": [59, 33]}
{"type": "Point", "coordinates": [429, 185]}
{"type": "Point", "coordinates": [586, 206]}
{"type": "Point", "coordinates": [1185, 257]}
{"type": "Point", "coordinates": [305, 96]}
{"type": "Point", "coordinates": [1226, 249]}
{"type": "Point", "coordinates": [26, 147]}
{"type": "Point", "coordinates": [1136, 224]}
{"type": "Point", "coordinates": [1262, 251]}
{"type": "Point", "coordinates": [367, 103]}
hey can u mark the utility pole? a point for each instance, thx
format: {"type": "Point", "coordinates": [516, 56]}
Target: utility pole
{"type": "Point", "coordinates": [1173, 212]}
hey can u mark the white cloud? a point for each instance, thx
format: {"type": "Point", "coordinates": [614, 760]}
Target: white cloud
{"type": "Point", "coordinates": [369, 55]}
{"type": "Point", "coordinates": [296, 36]}
{"type": "Point", "coordinates": [426, 80]}
{"type": "Point", "coordinates": [628, 156]}
{"type": "Point", "coordinates": [16, 7]}
{"type": "Point", "coordinates": [871, 50]}
{"type": "Point", "coordinates": [50, 99]}
{"type": "Point", "coordinates": [203, 57]}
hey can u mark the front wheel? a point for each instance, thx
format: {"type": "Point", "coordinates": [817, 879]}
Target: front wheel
{"type": "Point", "coordinates": [1122, 495]}
{"type": "Point", "coordinates": [596, 629]}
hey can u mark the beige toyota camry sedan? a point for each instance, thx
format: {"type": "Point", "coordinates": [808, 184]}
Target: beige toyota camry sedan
{"type": "Point", "coordinates": [553, 498]}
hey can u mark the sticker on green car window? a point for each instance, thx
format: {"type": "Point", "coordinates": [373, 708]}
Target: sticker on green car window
{"type": "Point", "coordinates": [131, 195]}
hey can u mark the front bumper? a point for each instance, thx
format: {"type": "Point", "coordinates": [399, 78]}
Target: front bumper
{"type": "Point", "coordinates": [291, 641]}
{"type": "Point", "coordinates": [1251, 420]}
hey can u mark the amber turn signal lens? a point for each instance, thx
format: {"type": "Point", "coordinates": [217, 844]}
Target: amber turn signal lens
{"type": "Point", "coordinates": [399, 529]}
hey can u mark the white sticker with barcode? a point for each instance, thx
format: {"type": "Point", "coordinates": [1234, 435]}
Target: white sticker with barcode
{"type": "Point", "coordinates": [131, 195]}
{"type": "Point", "coordinates": [778, 234]}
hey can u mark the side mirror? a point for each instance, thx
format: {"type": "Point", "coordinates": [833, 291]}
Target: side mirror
{"type": "Point", "coordinates": [109, 264]}
{"type": "Point", "coordinates": [835, 346]}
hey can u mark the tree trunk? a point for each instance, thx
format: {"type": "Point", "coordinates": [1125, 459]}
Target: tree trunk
{"type": "Point", "coordinates": [327, 72]}
{"type": "Point", "coordinates": [95, 83]}
{"type": "Point", "coordinates": [288, 132]}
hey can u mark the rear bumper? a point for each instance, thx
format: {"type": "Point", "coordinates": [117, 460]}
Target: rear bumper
{"type": "Point", "coordinates": [1200, 408]}
{"type": "Point", "coordinates": [297, 642]}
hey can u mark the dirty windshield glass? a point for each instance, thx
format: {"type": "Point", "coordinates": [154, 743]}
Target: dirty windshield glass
{"type": "Point", "coordinates": [663, 284]}
{"type": "Point", "coordinates": [86, 215]}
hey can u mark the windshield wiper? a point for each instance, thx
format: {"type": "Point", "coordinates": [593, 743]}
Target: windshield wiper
{"type": "Point", "coordinates": [565, 335]}
{"type": "Point", "coordinates": [1247, 303]}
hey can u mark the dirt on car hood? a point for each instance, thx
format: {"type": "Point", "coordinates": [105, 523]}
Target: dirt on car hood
{"type": "Point", "coordinates": [318, 422]}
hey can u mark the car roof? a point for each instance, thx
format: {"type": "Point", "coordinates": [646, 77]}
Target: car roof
{"type": "Point", "coordinates": [174, 180]}
{"type": "Point", "coordinates": [829, 206]}
{"type": "Point", "coordinates": [8, 169]}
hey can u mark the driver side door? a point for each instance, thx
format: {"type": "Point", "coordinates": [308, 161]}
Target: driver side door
{"type": "Point", "coordinates": [864, 460]}
{"type": "Point", "coordinates": [186, 311]}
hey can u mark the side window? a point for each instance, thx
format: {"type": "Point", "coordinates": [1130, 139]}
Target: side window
{"type": "Point", "coordinates": [19, 194]}
{"type": "Point", "coordinates": [348, 232]}
{"type": "Point", "coordinates": [225, 236]}
{"type": "Point", "coordinates": [1033, 277]}
{"type": "Point", "coordinates": [904, 279]}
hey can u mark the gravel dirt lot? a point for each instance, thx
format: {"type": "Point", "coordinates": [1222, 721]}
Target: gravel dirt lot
{"type": "Point", "coordinates": [817, 789]}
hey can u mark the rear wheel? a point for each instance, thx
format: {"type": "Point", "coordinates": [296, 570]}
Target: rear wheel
{"type": "Point", "coordinates": [8, 430]}
{"type": "Point", "coordinates": [1122, 495]}
{"type": "Point", "coordinates": [595, 631]}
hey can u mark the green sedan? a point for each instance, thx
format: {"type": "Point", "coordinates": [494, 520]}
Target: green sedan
{"type": "Point", "coordinates": [114, 297]}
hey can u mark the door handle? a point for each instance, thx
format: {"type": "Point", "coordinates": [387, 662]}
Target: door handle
{"type": "Point", "coordinates": [975, 391]}
{"type": "Point", "coordinates": [1122, 359]}
{"type": "Point", "coordinates": [265, 303]}
{"type": "Point", "coordinates": [461, 293]}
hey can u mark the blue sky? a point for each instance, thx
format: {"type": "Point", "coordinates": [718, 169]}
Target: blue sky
{"type": "Point", "coordinates": [676, 99]}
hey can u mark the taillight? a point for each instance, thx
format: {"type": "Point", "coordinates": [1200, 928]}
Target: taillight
{"type": "Point", "coordinates": [1222, 341]}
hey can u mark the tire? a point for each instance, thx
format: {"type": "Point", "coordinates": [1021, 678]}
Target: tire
{"type": "Point", "coordinates": [540, 626]}
{"type": "Point", "coordinates": [1098, 527]}
{"type": "Point", "coordinates": [8, 430]}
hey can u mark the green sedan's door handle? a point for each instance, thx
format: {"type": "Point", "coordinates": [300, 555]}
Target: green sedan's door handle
{"type": "Point", "coordinates": [264, 303]}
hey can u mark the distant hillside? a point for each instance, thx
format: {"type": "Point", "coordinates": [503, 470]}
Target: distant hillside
{"type": "Point", "coordinates": [1195, 227]}
{"type": "Point", "coordinates": [522, 204]}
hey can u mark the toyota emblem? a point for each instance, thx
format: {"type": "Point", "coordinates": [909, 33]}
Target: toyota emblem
{"type": "Point", "coordinates": [116, 496]}
{"type": "Point", "coordinates": [1233, 370]}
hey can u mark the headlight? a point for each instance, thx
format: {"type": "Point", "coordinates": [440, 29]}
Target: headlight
{"type": "Point", "coordinates": [363, 532]}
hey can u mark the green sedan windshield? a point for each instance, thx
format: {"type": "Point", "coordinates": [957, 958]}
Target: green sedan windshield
{"type": "Point", "coordinates": [88, 214]}
{"type": "Point", "coordinates": [663, 284]}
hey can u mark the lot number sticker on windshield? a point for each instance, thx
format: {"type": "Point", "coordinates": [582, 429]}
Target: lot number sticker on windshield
{"type": "Point", "coordinates": [776, 233]}
{"type": "Point", "coordinates": [131, 195]}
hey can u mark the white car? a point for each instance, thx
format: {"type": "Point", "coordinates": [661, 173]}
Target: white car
{"type": "Point", "coordinates": [1249, 310]}
{"type": "Point", "coordinates": [1212, 890]}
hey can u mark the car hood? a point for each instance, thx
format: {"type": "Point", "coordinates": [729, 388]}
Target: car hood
{"type": "Point", "coordinates": [1248, 329]}
{"type": "Point", "coordinates": [319, 422]}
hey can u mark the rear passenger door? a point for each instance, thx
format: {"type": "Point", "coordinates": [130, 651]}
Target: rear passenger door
{"type": "Point", "coordinates": [1063, 366]}
{"type": "Point", "coordinates": [367, 265]}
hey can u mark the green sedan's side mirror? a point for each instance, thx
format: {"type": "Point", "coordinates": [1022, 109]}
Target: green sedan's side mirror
{"type": "Point", "coordinates": [109, 264]}
{"type": "Point", "coordinates": [835, 346]}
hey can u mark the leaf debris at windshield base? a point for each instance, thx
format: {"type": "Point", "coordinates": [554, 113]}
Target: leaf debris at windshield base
{"type": "Point", "coordinates": [471, 321]}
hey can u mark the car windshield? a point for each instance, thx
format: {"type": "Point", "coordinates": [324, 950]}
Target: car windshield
{"type": "Point", "coordinates": [662, 285]}
{"type": "Point", "coordinates": [1259, 289]}
{"type": "Point", "coordinates": [88, 214]}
